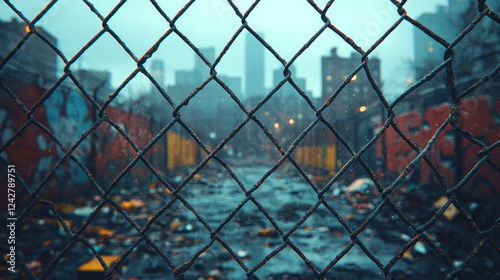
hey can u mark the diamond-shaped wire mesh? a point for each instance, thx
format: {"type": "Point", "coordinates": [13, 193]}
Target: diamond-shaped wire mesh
{"type": "Point", "coordinates": [153, 239]}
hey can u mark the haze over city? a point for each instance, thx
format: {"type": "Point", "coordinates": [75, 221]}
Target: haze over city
{"type": "Point", "coordinates": [202, 158]}
{"type": "Point", "coordinates": [285, 25]}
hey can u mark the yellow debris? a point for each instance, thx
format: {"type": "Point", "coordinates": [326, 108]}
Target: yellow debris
{"type": "Point", "coordinates": [95, 265]}
{"type": "Point", "coordinates": [265, 231]}
{"type": "Point", "coordinates": [349, 217]}
{"type": "Point", "coordinates": [451, 212]}
{"type": "Point", "coordinates": [127, 205]}
{"type": "Point", "coordinates": [197, 177]}
{"type": "Point", "coordinates": [175, 224]}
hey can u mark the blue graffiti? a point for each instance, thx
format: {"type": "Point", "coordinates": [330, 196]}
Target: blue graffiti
{"type": "Point", "coordinates": [68, 118]}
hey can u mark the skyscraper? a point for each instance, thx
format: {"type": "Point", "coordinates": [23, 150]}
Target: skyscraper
{"type": "Point", "coordinates": [254, 67]}
{"type": "Point", "coordinates": [475, 54]}
{"type": "Point", "coordinates": [359, 92]}
{"type": "Point", "coordinates": [429, 53]}
{"type": "Point", "coordinates": [158, 71]}
{"type": "Point", "coordinates": [352, 107]}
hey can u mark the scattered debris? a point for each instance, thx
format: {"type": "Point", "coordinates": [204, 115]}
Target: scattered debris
{"type": "Point", "coordinates": [360, 185]}
{"type": "Point", "coordinates": [93, 270]}
{"type": "Point", "coordinates": [266, 231]}
{"type": "Point", "coordinates": [215, 274]}
{"type": "Point", "coordinates": [83, 211]}
{"type": "Point", "coordinates": [181, 235]}
{"type": "Point", "coordinates": [349, 217]}
{"type": "Point", "coordinates": [176, 224]}
{"type": "Point", "coordinates": [243, 254]}
{"type": "Point", "coordinates": [179, 239]}
{"type": "Point", "coordinates": [197, 177]}
{"type": "Point", "coordinates": [451, 212]}
{"type": "Point", "coordinates": [420, 248]}
{"type": "Point", "coordinates": [407, 255]}
{"type": "Point", "coordinates": [127, 205]}
{"type": "Point", "coordinates": [405, 237]}
{"type": "Point", "coordinates": [189, 228]}
{"type": "Point", "coordinates": [323, 229]}
{"type": "Point", "coordinates": [361, 192]}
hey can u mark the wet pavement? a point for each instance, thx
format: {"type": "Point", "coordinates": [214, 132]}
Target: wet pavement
{"type": "Point", "coordinates": [180, 235]}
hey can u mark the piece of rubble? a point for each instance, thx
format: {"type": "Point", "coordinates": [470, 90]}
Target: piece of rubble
{"type": "Point", "coordinates": [420, 248]}
{"type": "Point", "coordinates": [349, 217]}
{"type": "Point", "coordinates": [451, 212]}
{"type": "Point", "coordinates": [93, 270]}
{"type": "Point", "coordinates": [83, 211]}
{"type": "Point", "coordinates": [176, 224]}
{"type": "Point", "coordinates": [360, 185]}
{"type": "Point", "coordinates": [243, 254]}
{"type": "Point", "coordinates": [127, 205]}
{"type": "Point", "coordinates": [188, 228]}
{"type": "Point", "coordinates": [266, 231]}
{"type": "Point", "coordinates": [405, 237]}
{"type": "Point", "coordinates": [407, 255]}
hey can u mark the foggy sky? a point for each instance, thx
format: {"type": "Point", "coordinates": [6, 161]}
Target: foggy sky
{"type": "Point", "coordinates": [285, 24]}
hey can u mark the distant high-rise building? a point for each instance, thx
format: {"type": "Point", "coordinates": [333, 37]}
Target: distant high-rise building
{"type": "Point", "coordinates": [199, 73]}
{"type": "Point", "coordinates": [287, 108]}
{"type": "Point", "coordinates": [458, 7]}
{"type": "Point", "coordinates": [287, 88]}
{"type": "Point", "coordinates": [287, 100]}
{"type": "Point", "coordinates": [429, 53]}
{"type": "Point", "coordinates": [359, 92]}
{"type": "Point", "coordinates": [254, 67]}
{"type": "Point", "coordinates": [351, 107]}
{"type": "Point", "coordinates": [473, 55]}
{"type": "Point", "coordinates": [158, 71]}
{"type": "Point", "coordinates": [212, 105]}
{"type": "Point", "coordinates": [234, 83]}
{"type": "Point", "coordinates": [200, 66]}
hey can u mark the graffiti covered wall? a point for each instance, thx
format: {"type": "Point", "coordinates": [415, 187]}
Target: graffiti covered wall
{"type": "Point", "coordinates": [67, 115]}
{"type": "Point", "coordinates": [452, 154]}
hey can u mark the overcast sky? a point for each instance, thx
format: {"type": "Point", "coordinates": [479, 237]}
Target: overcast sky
{"type": "Point", "coordinates": [286, 25]}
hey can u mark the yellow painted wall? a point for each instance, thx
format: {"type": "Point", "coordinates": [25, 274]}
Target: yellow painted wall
{"type": "Point", "coordinates": [181, 151]}
{"type": "Point", "coordinates": [323, 157]}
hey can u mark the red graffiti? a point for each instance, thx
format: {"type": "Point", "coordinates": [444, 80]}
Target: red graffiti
{"type": "Point", "coordinates": [105, 152]}
{"type": "Point", "coordinates": [452, 154]}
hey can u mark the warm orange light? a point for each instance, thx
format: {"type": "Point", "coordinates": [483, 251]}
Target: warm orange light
{"type": "Point", "coordinates": [27, 29]}
{"type": "Point", "coordinates": [362, 109]}
{"type": "Point", "coordinates": [266, 113]}
{"type": "Point", "coordinates": [291, 121]}
{"type": "Point", "coordinates": [276, 125]}
{"type": "Point", "coordinates": [354, 77]}
{"type": "Point", "coordinates": [409, 81]}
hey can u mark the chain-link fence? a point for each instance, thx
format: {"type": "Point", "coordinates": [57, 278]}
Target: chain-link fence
{"type": "Point", "coordinates": [173, 204]}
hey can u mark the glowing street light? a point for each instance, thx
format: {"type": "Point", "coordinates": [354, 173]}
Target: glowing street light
{"type": "Point", "coordinates": [291, 121]}
{"type": "Point", "coordinates": [362, 109]}
{"type": "Point", "coordinates": [276, 125]}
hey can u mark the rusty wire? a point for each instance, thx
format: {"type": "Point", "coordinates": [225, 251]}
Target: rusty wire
{"type": "Point", "coordinates": [286, 153]}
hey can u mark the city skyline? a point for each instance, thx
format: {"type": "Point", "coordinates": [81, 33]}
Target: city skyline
{"type": "Point", "coordinates": [286, 32]}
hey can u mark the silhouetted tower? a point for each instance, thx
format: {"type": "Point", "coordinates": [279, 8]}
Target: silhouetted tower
{"type": "Point", "coordinates": [158, 71]}
{"type": "Point", "coordinates": [254, 67]}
